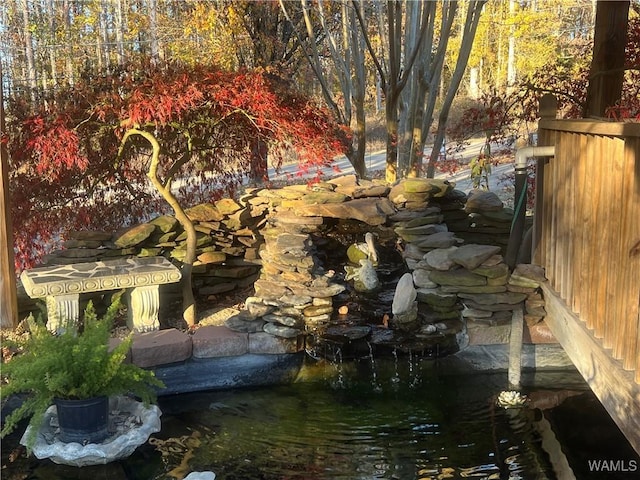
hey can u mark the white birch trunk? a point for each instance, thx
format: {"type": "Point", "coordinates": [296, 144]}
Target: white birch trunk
{"type": "Point", "coordinates": [511, 56]}
{"type": "Point", "coordinates": [119, 31]}
{"type": "Point", "coordinates": [153, 31]}
{"type": "Point", "coordinates": [32, 79]}
{"type": "Point", "coordinates": [68, 60]}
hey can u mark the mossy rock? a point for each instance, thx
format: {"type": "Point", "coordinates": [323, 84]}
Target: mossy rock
{"type": "Point", "coordinates": [355, 254]}
{"type": "Point", "coordinates": [205, 212]}
{"type": "Point", "coordinates": [134, 235]}
{"type": "Point", "coordinates": [165, 223]}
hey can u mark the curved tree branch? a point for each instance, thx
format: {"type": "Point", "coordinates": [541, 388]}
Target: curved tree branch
{"type": "Point", "coordinates": [188, 301]}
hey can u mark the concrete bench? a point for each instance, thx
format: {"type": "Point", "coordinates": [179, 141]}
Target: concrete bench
{"type": "Point", "coordinates": [61, 286]}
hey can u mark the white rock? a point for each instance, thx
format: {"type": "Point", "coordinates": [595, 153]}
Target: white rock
{"type": "Point", "coordinates": [405, 295]}
{"type": "Point", "coordinates": [367, 277]}
{"type": "Point", "coordinates": [201, 476]}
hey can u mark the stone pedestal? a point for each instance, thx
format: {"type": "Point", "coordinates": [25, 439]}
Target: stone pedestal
{"type": "Point", "coordinates": [144, 304]}
{"type": "Point", "coordinates": [63, 312]}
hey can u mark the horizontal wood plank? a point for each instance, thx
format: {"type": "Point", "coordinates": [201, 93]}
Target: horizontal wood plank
{"type": "Point", "coordinates": [592, 127]}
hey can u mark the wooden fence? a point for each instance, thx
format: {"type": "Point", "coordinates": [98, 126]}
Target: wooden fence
{"type": "Point", "coordinates": [589, 240]}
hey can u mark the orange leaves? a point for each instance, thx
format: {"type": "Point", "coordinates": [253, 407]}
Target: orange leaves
{"type": "Point", "coordinates": [56, 146]}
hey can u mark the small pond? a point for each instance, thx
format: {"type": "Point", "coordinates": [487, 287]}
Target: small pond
{"type": "Point", "coordinates": [395, 418]}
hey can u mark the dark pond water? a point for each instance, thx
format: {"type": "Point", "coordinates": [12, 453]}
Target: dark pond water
{"type": "Point", "coordinates": [389, 419]}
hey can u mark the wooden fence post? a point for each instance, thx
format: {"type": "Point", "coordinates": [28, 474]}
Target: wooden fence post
{"type": "Point", "coordinates": [548, 110]}
{"type": "Point", "coordinates": [8, 297]}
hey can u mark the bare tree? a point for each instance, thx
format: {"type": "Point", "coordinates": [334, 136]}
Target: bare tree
{"type": "Point", "coordinates": [119, 31]}
{"type": "Point", "coordinates": [51, 14]}
{"type": "Point", "coordinates": [153, 31]}
{"type": "Point", "coordinates": [28, 49]}
{"type": "Point", "coordinates": [419, 99]}
{"type": "Point", "coordinates": [414, 56]}
{"type": "Point", "coordinates": [511, 56]}
{"type": "Point", "coordinates": [409, 64]}
{"type": "Point", "coordinates": [474, 9]}
{"type": "Point", "coordinates": [345, 44]}
{"type": "Point", "coordinates": [68, 60]}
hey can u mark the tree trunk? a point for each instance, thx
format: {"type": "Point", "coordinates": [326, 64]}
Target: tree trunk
{"type": "Point", "coordinates": [188, 300]}
{"type": "Point", "coordinates": [52, 51]}
{"type": "Point", "coordinates": [348, 60]}
{"type": "Point", "coordinates": [432, 80]}
{"type": "Point", "coordinates": [119, 28]}
{"type": "Point", "coordinates": [470, 27]}
{"type": "Point", "coordinates": [407, 104]}
{"type": "Point", "coordinates": [153, 31]}
{"type": "Point", "coordinates": [105, 13]}
{"type": "Point", "coordinates": [100, 60]}
{"type": "Point", "coordinates": [391, 118]}
{"type": "Point", "coordinates": [355, 42]}
{"type": "Point", "coordinates": [511, 55]}
{"type": "Point", "coordinates": [259, 171]}
{"type": "Point", "coordinates": [28, 50]}
{"type": "Point", "coordinates": [394, 32]}
{"type": "Point", "coordinates": [401, 72]}
{"type": "Point", "coordinates": [607, 66]}
{"type": "Point", "coordinates": [66, 13]}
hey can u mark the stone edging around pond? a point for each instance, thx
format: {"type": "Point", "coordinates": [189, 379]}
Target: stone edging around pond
{"type": "Point", "coordinates": [168, 355]}
{"type": "Point", "coordinates": [273, 239]}
{"type": "Point", "coordinates": [169, 346]}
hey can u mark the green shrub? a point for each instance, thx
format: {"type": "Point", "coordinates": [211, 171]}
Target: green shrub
{"type": "Point", "coordinates": [72, 366]}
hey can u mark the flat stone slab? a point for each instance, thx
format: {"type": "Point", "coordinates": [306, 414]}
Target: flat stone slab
{"type": "Point", "coordinates": [160, 347]}
{"type": "Point", "coordinates": [134, 236]}
{"type": "Point", "coordinates": [494, 298]}
{"type": "Point", "coordinates": [98, 276]}
{"type": "Point", "coordinates": [528, 275]}
{"type": "Point", "coordinates": [471, 256]}
{"type": "Point", "coordinates": [460, 277]}
{"type": "Point", "coordinates": [262, 343]}
{"type": "Point", "coordinates": [372, 212]}
{"type": "Point", "coordinates": [229, 372]}
{"type": "Point", "coordinates": [218, 341]}
{"type": "Point", "coordinates": [482, 201]}
{"type": "Point", "coordinates": [440, 258]}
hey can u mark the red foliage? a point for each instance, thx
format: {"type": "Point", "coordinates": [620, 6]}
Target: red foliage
{"type": "Point", "coordinates": [66, 172]}
{"type": "Point", "coordinates": [56, 145]}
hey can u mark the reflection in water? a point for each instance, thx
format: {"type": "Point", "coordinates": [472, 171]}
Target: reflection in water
{"type": "Point", "coordinates": [398, 418]}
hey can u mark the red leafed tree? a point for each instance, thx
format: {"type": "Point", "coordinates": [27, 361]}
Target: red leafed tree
{"type": "Point", "coordinates": [84, 159]}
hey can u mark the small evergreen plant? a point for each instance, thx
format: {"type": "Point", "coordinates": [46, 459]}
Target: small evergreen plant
{"type": "Point", "coordinates": [72, 366]}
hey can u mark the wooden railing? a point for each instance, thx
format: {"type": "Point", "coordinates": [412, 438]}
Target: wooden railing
{"type": "Point", "coordinates": [587, 229]}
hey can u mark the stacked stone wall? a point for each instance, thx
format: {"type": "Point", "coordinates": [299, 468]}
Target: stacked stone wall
{"type": "Point", "coordinates": [452, 243]}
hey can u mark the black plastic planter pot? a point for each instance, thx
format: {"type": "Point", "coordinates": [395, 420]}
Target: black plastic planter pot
{"type": "Point", "coordinates": [83, 421]}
